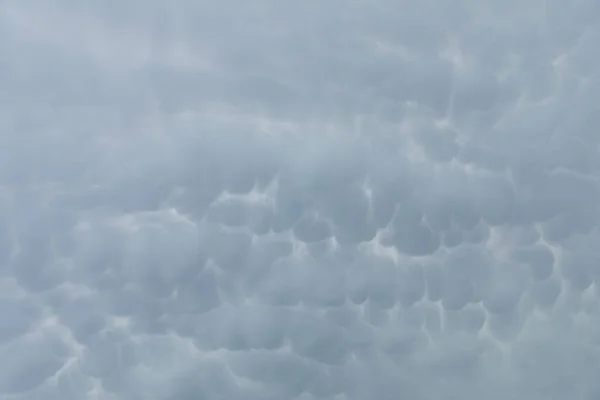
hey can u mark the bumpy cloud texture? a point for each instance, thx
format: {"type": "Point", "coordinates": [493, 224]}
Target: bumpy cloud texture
{"type": "Point", "coordinates": [299, 200]}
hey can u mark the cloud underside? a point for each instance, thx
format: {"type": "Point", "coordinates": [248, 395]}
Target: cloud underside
{"type": "Point", "coordinates": [322, 200]}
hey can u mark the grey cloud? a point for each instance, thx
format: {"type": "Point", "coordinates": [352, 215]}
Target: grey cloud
{"type": "Point", "coordinates": [322, 200]}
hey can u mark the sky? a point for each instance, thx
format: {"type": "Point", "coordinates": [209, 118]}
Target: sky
{"type": "Point", "coordinates": [268, 200]}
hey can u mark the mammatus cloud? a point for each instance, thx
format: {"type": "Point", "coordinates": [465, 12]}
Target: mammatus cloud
{"type": "Point", "coordinates": [321, 200]}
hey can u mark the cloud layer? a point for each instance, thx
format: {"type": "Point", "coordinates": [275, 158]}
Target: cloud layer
{"type": "Point", "coordinates": [322, 200]}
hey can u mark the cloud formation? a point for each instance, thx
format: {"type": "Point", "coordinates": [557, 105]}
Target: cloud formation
{"type": "Point", "coordinates": [321, 200]}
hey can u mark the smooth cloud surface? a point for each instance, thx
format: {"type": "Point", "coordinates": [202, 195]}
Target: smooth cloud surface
{"type": "Point", "coordinates": [319, 200]}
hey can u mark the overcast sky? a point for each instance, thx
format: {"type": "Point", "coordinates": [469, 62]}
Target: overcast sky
{"type": "Point", "coordinates": [273, 200]}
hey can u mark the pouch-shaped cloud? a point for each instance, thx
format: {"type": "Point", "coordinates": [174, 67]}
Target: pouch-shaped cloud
{"type": "Point", "coordinates": [322, 200]}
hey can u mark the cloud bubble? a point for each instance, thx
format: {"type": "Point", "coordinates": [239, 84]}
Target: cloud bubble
{"type": "Point", "coordinates": [321, 200]}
